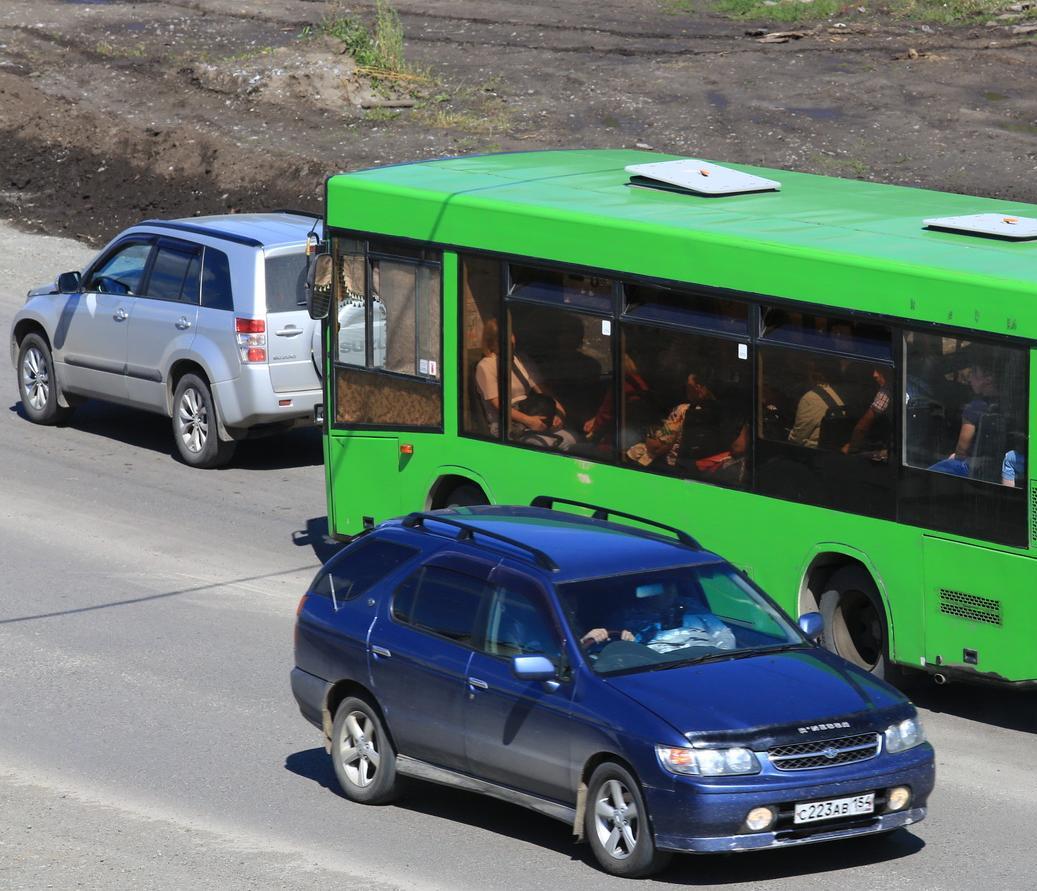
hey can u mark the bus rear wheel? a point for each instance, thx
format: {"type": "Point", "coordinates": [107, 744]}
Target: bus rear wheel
{"type": "Point", "coordinates": [855, 622]}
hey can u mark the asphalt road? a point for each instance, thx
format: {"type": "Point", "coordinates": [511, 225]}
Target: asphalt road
{"type": "Point", "coordinates": [148, 737]}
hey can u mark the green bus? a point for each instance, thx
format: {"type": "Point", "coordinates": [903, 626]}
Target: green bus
{"type": "Point", "coordinates": [829, 382]}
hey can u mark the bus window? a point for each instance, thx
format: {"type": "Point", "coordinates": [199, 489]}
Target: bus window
{"type": "Point", "coordinates": [827, 333]}
{"type": "Point", "coordinates": [480, 346]}
{"type": "Point", "coordinates": [965, 408]}
{"type": "Point", "coordinates": [824, 430]}
{"type": "Point", "coordinates": [563, 287]}
{"type": "Point", "coordinates": [409, 294]}
{"type": "Point", "coordinates": [679, 307]}
{"type": "Point", "coordinates": [561, 364]}
{"type": "Point", "coordinates": [351, 313]}
{"type": "Point", "coordinates": [687, 404]}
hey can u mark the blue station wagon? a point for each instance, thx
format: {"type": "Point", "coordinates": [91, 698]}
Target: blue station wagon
{"type": "Point", "coordinates": [613, 675]}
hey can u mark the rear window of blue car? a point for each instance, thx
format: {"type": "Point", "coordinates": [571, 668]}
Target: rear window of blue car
{"type": "Point", "coordinates": [441, 602]}
{"type": "Point", "coordinates": [359, 567]}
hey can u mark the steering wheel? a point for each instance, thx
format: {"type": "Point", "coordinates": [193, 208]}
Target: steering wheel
{"type": "Point", "coordinates": [595, 646]}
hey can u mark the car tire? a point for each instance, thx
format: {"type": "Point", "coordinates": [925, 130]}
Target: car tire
{"type": "Point", "coordinates": [38, 383]}
{"type": "Point", "coordinates": [855, 621]}
{"type": "Point", "coordinates": [362, 754]}
{"type": "Point", "coordinates": [617, 826]}
{"type": "Point", "coordinates": [195, 430]}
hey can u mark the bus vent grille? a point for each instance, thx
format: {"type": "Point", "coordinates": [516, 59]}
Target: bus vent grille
{"type": "Point", "coordinates": [1033, 515]}
{"type": "Point", "coordinates": [969, 606]}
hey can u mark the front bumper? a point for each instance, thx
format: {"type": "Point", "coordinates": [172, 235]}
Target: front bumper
{"type": "Point", "coordinates": [696, 817]}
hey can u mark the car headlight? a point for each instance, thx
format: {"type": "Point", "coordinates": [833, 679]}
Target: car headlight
{"type": "Point", "coordinates": [708, 762]}
{"type": "Point", "coordinates": [905, 735]}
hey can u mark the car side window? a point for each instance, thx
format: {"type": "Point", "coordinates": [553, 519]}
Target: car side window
{"type": "Point", "coordinates": [216, 289]}
{"type": "Point", "coordinates": [518, 624]}
{"type": "Point", "coordinates": [176, 273]}
{"type": "Point", "coordinates": [122, 272]}
{"type": "Point", "coordinates": [358, 568]}
{"type": "Point", "coordinates": [442, 602]}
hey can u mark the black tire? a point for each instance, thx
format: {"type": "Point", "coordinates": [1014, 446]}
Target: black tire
{"type": "Point", "coordinates": [38, 383]}
{"type": "Point", "coordinates": [617, 825]}
{"type": "Point", "coordinates": [855, 621]}
{"type": "Point", "coordinates": [195, 430]}
{"type": "Point", "coordinates": [362, 754]}
{"type": "Point", "coordinates": [466, 495]}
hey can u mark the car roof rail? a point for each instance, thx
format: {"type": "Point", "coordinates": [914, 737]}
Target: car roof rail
{"type": "Point", "coordinates": [467, 532]}
{"type": "Point", "coordinates": [212, 232]}
{"type": "Point", "coordinates": [605, 513]}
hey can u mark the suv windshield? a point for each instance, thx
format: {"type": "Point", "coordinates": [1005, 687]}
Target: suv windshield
{"type": "Point", "coordinates": [662, 619]}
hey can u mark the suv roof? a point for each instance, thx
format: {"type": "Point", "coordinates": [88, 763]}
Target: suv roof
{"type": "Point", "coordinates": [255, 229]}
{"type": "Point", "coordinates": [581, 547]}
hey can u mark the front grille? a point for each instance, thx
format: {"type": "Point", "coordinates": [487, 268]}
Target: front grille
{"type": "Point", "coordinates": [825, 752]}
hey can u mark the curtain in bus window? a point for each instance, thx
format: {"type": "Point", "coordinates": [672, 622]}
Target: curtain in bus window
{"type": "Point", "coordinates": [350, 316]}
{"type": "Point", "coordinates": [561, 377]}
{"type": "Point", "coordinates": [824, 430]}
{"type": "Point", "coordinates": [479, 362]}
{"type": "Point", "coordinates": [686, 404]}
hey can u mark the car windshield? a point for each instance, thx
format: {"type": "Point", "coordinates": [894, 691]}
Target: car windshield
{"type": "Point", "coordinates": [657, 620]}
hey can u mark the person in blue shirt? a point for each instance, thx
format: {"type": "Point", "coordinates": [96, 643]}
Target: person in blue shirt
{"type": "Point", "coordinates": [1013, 469]}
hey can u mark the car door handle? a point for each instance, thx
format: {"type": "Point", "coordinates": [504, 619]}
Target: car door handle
{"type": "Point", "coordinates": [290, 331]}
{"type": "Point", "coordinates": [120, 315]}
{"type": "Point", "coordinates": [183, 323]}
{"type": "Point", "coordinates": [381, 651]}
{"type": "Point", "coordinates": [478, 684]}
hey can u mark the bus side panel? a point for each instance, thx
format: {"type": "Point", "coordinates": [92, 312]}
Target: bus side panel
{"type": "Point", "coordinates": [365, 470]}
{"type": "Point", "coordinates": [980, 608]}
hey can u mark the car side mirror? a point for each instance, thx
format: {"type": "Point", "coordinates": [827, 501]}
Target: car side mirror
{"type": "Point", "coordinates": [533, 668]}
{"type": "Point", "coordinates": [69, 283]}
{"type": "Point", "coordinates": [812, 625]}
{"type": "Point", "coordinates": [318, 286]}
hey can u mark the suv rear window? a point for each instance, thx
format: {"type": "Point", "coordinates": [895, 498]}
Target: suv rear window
{"type": "Point", "coordinates": [285, 282]}
{"type": "Point", "coordinates": [356, 569]}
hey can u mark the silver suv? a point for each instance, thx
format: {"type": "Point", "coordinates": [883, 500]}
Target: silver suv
{"type": "Point", "coordinates": [203, 320]}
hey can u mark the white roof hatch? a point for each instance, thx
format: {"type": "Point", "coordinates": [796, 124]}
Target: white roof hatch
{"type": "Point", "coordinates": [702, 177]}
{"type": "Point", "coordinates": [997, 225]}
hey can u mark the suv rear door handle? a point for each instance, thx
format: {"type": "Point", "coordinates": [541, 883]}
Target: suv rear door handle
{"type": "Point", "coordinates": [183, 323]}
{"type": "Point", "coordinates": [478, 684]}
{"type": "Point", "coordinates": [381, 651]}
{"type": "Point", "coordinates": [290, 331]}
{"type": "Point", "coordinates": [120, 315]}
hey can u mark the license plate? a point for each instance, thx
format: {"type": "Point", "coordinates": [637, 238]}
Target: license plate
{"type": "Point", "coordinates": [809, 811]}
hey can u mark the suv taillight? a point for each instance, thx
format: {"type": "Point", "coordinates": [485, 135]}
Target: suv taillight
{"type": "Point", "coordinates": [251, 334]}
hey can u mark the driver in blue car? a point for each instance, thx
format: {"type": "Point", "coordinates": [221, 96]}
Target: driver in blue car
{"type": "Point", "coordinates": [665, 621]}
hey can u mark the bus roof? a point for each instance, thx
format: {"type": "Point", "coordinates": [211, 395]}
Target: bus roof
{"type": "Point", "coordinates": [846, 243]}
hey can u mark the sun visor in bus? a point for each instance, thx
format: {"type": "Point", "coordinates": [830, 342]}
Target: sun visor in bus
{"type": "Point", "coordinates": [698, 177]}
{"type": "Point", "coordinates": [991, 225]}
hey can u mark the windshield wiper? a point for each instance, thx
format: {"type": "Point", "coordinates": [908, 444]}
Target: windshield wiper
{"type": "Point", "coordinates": [724, 656]}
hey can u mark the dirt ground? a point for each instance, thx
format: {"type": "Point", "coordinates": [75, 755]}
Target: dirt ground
{"type": "Point", "coordinates": [112, 111]}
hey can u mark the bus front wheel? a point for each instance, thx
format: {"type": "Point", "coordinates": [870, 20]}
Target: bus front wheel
{"type": "Point", "coordinates": [465, 495]}
{"type": "Point", "coordinates": [855, 622]}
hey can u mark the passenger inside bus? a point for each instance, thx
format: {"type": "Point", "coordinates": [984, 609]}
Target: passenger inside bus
{"type": "Point", "coordinates": [977, 421]}
{"type": "Point", "coordinates": [820, 410]}
{"type": "Point", "coordinates": [871, 433]}
{"type": "Point", "coordinates": [535, 417]}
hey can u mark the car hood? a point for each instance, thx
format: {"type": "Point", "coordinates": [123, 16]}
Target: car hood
{"type": "Point", "coordinates": [39, 290]}
{"type": "Point", "coordinates": [766, 697]}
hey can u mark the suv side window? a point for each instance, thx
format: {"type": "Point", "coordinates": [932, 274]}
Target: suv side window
{"type": "Point", "coordinates": [216, 290]}
{"type": "Point", "coordinates": [175, 272]}
{"type": "Point", "coordinates": [121, 272]}
{"type": "Point", "coordinates": [442, 602]}
{"type": "Point", "coordinates": [517, 624]}
{"type": "Point", "coordinates": [358, 568]}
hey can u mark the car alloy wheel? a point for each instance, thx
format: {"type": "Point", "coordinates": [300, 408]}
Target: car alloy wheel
{"type": "Point", "coordinates": [36, 378]}
{"type": "Point", "coordinates": [193, 420]}
{"type": "Point", "coordinates": [360, 752]}
{"type": "Point", "coordinates": [617, 821]}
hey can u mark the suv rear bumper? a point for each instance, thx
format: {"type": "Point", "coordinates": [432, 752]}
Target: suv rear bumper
{"type": "Point", "coordinates": [310, 694]}
{"type": "Point", "coordinates": [249, 400]}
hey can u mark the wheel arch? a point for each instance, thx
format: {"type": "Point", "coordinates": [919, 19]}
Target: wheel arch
{"type": "Point", "coordinates": [589, 766]}
{"type": "Point", "coordinates": [823, 561]}
{"type": "Point", "coordinates": [343, 689]}
{"type": "Point", "coordinates": [446, 479]}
